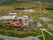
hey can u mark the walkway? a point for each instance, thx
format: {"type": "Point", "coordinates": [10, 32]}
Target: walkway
{"type": "Point", "coordinates": [14, 38]}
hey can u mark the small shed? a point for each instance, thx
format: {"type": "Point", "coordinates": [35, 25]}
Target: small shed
{"type": "Point", "coordinates": [26, 20]}
{"type": "Point", "coordinates": [13, 15]}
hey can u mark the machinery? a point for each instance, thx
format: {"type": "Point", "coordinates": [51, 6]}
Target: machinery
{"type": "Point", "coordinates": [18, 23]}
{"type": "Point", "coordinates": [21, 23]}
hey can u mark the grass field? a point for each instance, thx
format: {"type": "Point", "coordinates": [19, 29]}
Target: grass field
{"type": "Point", "coordinates": [34, 15]}
{"type": "Point", "coordinates": [1, 39]}
{"type": "Point", "coordinates": [47, 36]}
{"type": "Point", "coordinates": [51, 31]}
{"type": "Point", "coordinates": [50, 22]}
{"type": "Point", "coordinates": [21, 34]}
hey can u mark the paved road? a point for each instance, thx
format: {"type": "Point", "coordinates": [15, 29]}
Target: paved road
{"type": "Point", "coordinates": [14, 38]}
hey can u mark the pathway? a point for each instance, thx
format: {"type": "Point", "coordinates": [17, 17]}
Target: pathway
{"type": "Point", "coordinates": [14, 38]}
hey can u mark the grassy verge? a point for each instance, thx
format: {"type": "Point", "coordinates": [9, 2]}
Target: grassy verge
{"type": "Point", "coordinates": [1, 39]}
{"type": "Point", "coordinates": [50, 22]}
{"type": "Point", "coordinates": [47, 36]}
{"type": "Point", "coordinates": [14, 33]}
{"type": "Point", "coordinates": [50, 31]}
{"type": "Point", "coordinates": [42, 22]}
{"type": "Point", "coordinates": [40, 38]}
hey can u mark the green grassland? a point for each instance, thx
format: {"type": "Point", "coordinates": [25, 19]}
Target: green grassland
{"type": "Point", "coordinates": [50, 22]}
{"type": "Point", "coordinates": [40, 38]}
{"type": "Point", "coordinates": [21, 34]}
{"type": "Point", "coordinates": [1, 39]}
{"type": "Point", "coordinates": [5, 9]}
{"type": "Point", "coordinates": [50, 31]}
{"type": "Point", "coordinates": [47, 36]}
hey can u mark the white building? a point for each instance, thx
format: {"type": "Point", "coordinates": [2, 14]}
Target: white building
{"type": "Point", "coordinates": [26, 20]}
{"type": "Point", "coordinates": [9, 16]}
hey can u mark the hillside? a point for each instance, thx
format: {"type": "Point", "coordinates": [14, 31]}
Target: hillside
{"type": "Point", "coordinates": [28, 0]}
{"type": "Point", "coordinates": [43, 2]}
